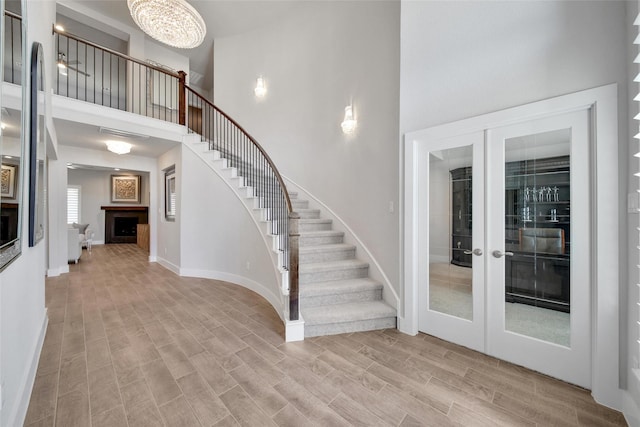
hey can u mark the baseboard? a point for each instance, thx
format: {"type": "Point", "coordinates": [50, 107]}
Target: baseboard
{"type": "Point", "coordinates": [250, 284]}
{"type": "Point", "coordinates": [19, 413]}
{"type": "Point", "coordinates": [168, 265]}
{"type": "Point", "coordinates": [53, 272]}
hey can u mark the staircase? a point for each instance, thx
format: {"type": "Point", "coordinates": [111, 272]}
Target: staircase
{"type": "Point", "coordinates": [336, 294]}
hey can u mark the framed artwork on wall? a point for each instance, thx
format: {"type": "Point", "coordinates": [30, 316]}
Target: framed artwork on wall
{"type": "Point", "coordinates": [8, 181]}
{"type": "Point", "coordinates": [125, 188]}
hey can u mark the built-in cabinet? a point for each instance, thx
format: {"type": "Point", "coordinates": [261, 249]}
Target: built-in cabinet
{"type": "Point", "coordinates": [461, 209]}
{"type": "Point", "coordinates": [537, 229]}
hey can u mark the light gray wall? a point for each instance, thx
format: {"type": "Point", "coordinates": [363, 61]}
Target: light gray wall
{"type": "Point", "coordinates": [96, 192]}
{"type": "Point", "coordinates": [462, 59]}
{"type": "Point", "coordinates": [322, 57]}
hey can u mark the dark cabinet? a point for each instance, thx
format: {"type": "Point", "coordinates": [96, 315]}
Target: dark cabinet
{"type": "Point", "coordinates": [537, 229]}
{"type": "Point", "coordinates": [461, 216]}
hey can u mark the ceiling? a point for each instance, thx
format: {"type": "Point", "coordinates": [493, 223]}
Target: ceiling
{"type": "Point", "coordinates": [223, 18]}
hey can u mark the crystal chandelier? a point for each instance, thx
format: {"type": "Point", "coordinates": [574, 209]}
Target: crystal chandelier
{"type": "Point", "coordinates": [173, 22]}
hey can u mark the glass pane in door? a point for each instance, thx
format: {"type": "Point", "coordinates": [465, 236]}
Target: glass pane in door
{"type": "Point", "coordinates": [538, 236]}
{"type": "Point", "coordinates": [450, 227]}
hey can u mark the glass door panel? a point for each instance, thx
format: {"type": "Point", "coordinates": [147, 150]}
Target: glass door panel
{"type": "Point", "coordinates": [537, 235]}
{"type": "Point", "coordinates": [450, 236]}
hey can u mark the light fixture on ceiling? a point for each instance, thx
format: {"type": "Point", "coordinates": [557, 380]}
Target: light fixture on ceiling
{"type": "Point", "coordinates": [261, 89]}
{"type": "Point", "coordinates": [349, 123]}
{"type": "Point", "coordinates": [173, 22]}
{"type": "Point", "coordinates": [118, 147]}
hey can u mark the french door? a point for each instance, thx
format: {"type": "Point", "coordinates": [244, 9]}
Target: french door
{"type": "Point", "coordinates": [508, 244]}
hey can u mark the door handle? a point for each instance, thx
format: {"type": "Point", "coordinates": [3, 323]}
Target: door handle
{"type": "Point", "coordinates": [476, 251]}
{"type": "Point", "coordinates": [500, 254]}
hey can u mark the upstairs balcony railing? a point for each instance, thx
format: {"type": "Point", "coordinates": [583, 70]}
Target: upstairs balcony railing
{"type": "Point", "coordinates": [13, 48]}
{"type": "Point", "coordinates": [91, 73]}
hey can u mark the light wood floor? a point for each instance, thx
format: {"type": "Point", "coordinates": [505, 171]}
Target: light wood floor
{"type": "Point", "coordinates": [131, 344]}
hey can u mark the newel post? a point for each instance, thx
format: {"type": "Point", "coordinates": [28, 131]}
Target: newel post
{"type": "Point", "coordinates": [182, 98]}
{"type": "Point", "coordinates": [294, 236]}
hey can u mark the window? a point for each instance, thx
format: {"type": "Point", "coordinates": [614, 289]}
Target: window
{"type": "Point", "coordinates": [170, 194]}
{"type": "Point", "coordinates": [73, 204]}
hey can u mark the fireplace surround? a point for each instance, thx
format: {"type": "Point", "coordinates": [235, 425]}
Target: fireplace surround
{"type": "Point", "coordinates": [120, 223]}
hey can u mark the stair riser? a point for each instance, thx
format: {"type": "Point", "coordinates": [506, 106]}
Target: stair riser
{"type": "Point", "coordinates": [335, 255]}
{"type": "Point", "coordinates": [317, 301]}
{"type": "Point", "coordinates": [347, 327]}
{"type": "Point", "coordinates": [320, 240]}
{"type": "Point", "coordinates": [325, 276]}
{"type": "Point", "coordinates": [322, 226]}
{"type": "Point", "coordinates": [300, 204]}
{"type": "Point", "coordinates": [309, 214]}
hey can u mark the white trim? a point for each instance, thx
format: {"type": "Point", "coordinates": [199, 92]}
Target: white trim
{"type": "Point", "coordinates": [168, 265]}
{"type": "Point", "coordinates": [53, 272]}
{"type": "Point", "coordinates": [19, 414]}
{"type": "Point", "coordinates": [376, 272]}
{"type": "Point", "coordinates": [294, 330]}
{"type": "Point", "coordinates": [603, 103]}
{"type": "Point", "coordinates": [274, 300]}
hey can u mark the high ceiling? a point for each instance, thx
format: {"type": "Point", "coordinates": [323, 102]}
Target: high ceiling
{"type": "Point", "coordinates": [223, 18]}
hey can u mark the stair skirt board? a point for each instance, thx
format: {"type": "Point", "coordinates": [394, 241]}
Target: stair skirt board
{"type": "Point", "coordinates": [336, 294]}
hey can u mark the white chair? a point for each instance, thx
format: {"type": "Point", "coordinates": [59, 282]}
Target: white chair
{"type": "Point", "coordinates": [74, 245]}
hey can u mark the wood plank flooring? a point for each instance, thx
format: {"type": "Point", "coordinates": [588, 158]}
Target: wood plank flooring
{"type": "Point", "coordinates": [131, 344]}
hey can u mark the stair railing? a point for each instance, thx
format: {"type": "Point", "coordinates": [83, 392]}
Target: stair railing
{"type": "Point", "coordinates": [243, 152]}
{"type": "Point", "coordinates": [93, 73]}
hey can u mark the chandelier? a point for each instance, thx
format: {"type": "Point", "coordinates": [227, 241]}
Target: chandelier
{"type": "Point", "coordinates": [173, 22]}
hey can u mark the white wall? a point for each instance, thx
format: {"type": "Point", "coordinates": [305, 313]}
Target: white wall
{"type": "Point", "coordinates": [96, 192]}
{"type": "Point", "coordinates": [324, 56]}
{"type": "Point", "coordinates": [22, 310]}
{"type": "Point", "coordinates": [218, 237]}
{"type": "Point", "coordinates": [462, 59]}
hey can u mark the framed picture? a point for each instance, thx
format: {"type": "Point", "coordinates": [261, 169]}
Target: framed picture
{"type": "Point", "coordinates": [8, 181]}
{"type": "Point", "coordinates": [125, 188]}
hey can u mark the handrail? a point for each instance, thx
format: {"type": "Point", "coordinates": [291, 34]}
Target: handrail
{"type": "Point", "coordinates": [238, 146]}
{"type": "Point", "coordinates": [252, 139]}
{"type": "Point", "coordinates": [114, 52]}
{"type": "Point", "coordinates": [12, 14]}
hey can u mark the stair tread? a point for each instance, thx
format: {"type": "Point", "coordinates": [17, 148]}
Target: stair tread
{"type": "Point", "coordinates": [327, 248]}
{"type": "Point", "coordinates": [315, 220]}
{"type": "Point", "coordinates": [338, 287]}
{"type": "Point", "coordinates": [349, 312]}
{"type": "Point", "coordinates": [321, 233]}
{"type": "Point", "coordinates": [332, 265]}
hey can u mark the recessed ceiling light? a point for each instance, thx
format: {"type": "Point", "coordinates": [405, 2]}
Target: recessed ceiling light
{"type": "Point", "coordinates": [118, 147]}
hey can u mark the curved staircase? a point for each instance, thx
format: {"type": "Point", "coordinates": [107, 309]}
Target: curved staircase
{"type": "Point", "coordinates": [336, 294]}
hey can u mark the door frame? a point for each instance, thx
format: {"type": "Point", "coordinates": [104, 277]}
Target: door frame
{"type": "Point", "coordinates": [601, 102]}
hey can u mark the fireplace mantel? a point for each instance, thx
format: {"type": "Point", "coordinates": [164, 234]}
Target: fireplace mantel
{"type": "Point", "coordinates": [124, 208]}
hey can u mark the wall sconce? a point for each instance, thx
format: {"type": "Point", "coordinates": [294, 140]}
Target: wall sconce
{"type": "Point", "coordinates": [119, 147]}
{"type": "Point", "coordinates": [349, 123]}
{"type": "Point", "coordinates": [261, 89]}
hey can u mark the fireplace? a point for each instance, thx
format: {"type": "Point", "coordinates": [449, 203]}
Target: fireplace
{"type": "Point", "coordinates": [120, 223]}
